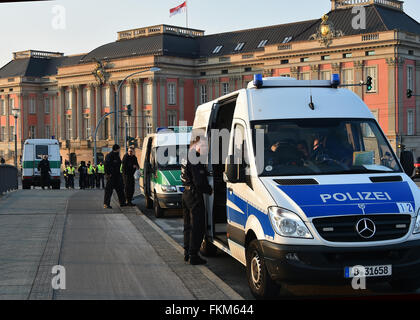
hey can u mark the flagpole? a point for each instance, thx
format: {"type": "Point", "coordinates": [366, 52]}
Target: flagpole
{"type": "Point", "coordinates": [186, 12]}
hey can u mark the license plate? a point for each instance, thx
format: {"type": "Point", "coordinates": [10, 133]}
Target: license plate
{"type": "Point", "coordinates": [368, 271]}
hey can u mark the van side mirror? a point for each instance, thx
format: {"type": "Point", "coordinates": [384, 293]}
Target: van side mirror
{"type": "Point", "coordinates": [407, 162]}
{"type": "Point", "coordinates": [234, 173]}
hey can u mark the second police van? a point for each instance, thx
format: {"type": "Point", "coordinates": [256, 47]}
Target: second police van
{"type": "Point", "coordinates": [308, 188]}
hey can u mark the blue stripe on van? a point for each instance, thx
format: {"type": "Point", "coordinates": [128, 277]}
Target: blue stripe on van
{"type": "Point", "coordinates": [347, 199]}
{"type": "Point", "coordinates": [249, 210]}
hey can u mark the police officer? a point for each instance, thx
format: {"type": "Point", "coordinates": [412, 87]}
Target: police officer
{"type": "Point", "coordinates": [70, 175]}
{"type": "Point", "coordinates": [194, 178]}
{"type": "Point", "coordinates": [100, 175]}
{"type": "Point", "coordinates": [113, 177]}
{"type": "Point", "coordinates": [129, 167]}
{"type": "Point", "coordinates": [90, 175]}
{"type": "Point", "coordinates": [44, 168]}
{"type": "Point", "coordinates": [82, 175]}
{"type": "Point", "coordinates": [66, 175]}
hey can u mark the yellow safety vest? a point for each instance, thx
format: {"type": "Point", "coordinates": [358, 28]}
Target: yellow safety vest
{"type": "Point", "coordinates": [101, 169]}
{"type": "Point", "coordinates": [90, 170]}
{"type": "Point", "coordinates": [71, 171]}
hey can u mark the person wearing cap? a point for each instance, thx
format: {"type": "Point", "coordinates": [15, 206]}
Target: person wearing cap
{"type": "Point", "coordinates": [113, 177]}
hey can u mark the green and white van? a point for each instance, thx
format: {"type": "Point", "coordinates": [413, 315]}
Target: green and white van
{"type": "Point", "coordinates": [160, 169]}
{"type": "Point", "coordinates": [33, 152]}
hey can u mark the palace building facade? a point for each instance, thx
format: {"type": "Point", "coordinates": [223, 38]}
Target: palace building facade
{"type": "Point", "coordinates": [65, 96]}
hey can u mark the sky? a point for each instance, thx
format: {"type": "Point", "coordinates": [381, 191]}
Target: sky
{"type": "Point", "coordinates": [79, 26]}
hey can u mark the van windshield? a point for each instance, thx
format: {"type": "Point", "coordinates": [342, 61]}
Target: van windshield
{"type": "Point", "coordinates": [322, 146]}
{"type": "Point", "coordinates": [167, 157]}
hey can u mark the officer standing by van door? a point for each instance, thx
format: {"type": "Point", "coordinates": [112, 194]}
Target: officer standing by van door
{"type": "Point", "coordinates": [194, 178]}
{"type": "Point", "coordinates": [129, 167]}
{"type": "Point", "coordinates": [44, 168]}
{"type": "Point", "coordinates": [113, 177]}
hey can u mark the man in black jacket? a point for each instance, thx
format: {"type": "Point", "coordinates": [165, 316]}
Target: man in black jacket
{"type": "Point", "coordinates": [129, 167]}
{"type": "Point", "coordinates": [44, 168]}
{"type": "Point", "coordinates": [194, 178]}
{"type": "Point", "coordinates": [113, 177]}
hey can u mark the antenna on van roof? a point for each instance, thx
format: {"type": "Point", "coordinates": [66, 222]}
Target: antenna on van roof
{"type": "Point", "coordinates": [311, 104]}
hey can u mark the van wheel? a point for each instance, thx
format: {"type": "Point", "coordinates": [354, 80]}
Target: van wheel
{"type": "Point", "coordinates": [149, 202]}
{"type": "Point", "coordinates": [259, 281]}
{"type": "Point", "coordinates": [405, 285]}
{"type": "Point", "coordinates": [159, 212]}
{"type": "Point", "coordinates": [208, 249]}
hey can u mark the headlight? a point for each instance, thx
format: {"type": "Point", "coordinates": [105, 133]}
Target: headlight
{"type": "Point", "coordinates": [288, 224]}
{"type": "Point", "coordinates": [417, 225]}
{"type": "Point", "coordinates": [168, 188]}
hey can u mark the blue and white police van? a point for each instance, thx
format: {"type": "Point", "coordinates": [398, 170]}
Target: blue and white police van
{"type": "Point", "coordinates": [307, 187]}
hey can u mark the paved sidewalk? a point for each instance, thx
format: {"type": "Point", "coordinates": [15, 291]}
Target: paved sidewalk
{"type": "Point", "coordinates": [107, 254]}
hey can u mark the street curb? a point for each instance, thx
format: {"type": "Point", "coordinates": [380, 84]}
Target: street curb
{"type": "Point", "coordinates": [232, 294]}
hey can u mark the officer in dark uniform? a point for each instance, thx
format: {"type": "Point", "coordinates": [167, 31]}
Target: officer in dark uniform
{"type": "Point", "coordinates": [113, 177]}
{"type": "Point", "coordinates": [44, 168]}
{"type": "Point", "coordinates": [194, 178]}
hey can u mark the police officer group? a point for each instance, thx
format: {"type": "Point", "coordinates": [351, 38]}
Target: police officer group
{"type": "Point", "coordinates": [113, 174]}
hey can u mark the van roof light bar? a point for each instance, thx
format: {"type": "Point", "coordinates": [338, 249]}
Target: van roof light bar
{"type": "Point", "coordinates": [287, 82]}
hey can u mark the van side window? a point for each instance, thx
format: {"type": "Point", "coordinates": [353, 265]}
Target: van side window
{"type": "Point", "coordinates": [240, 147]}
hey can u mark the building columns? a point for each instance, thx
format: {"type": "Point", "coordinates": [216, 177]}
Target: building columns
{"type": "Point", "coordinates": [79, 113]}
{"type": "Point", "coordinates": [98, 109]}
{"type": "Point", "coordinates": [139, 108]}
{"type": "Point", "coordinates": [358, 77]}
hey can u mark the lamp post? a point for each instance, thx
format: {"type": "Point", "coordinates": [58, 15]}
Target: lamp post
{"type": "Point", "coordinates": [16, 113]}
{"type": "Point", "coordinates": [117, 100]}
{"type": "Point", "coordinates": [116, 111]}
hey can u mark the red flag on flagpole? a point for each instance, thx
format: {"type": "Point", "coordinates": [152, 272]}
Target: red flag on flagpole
{"type": "Point", "coordinates": [178, 9]}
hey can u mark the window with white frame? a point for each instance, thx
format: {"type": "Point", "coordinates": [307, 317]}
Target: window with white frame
{"type": "Point", "coordinates": [47, 106]}
{"type": "Point", "coordinates": [347, 76]}
{"type": "Point", "coordinates": [11, 105]}
{"type": "Point", "coordinates": [225, 88]}
{"type": "Point", "coordinates": [47, 132]}
{"type": "Point", "coordinates": [106, 97]}
{"type": "Point", "coordinates": [326, 75]}
{"type": "Point", "coordinates": [172, 93]}
{"type": "Point", "coordinates": [2, 109]}
{"type": "Point", "coordinates": [147, 93]}
{"type": "Point", "coordinates": [410, 77]}
{"type": "Point", "coordinates": [67, 99]}
{"type": "Point", "coordinates": [203, 94]}
{"type": "Point", "coordinates": [32, 132]}
{"type": "Point", "coordinates": [172, 118]}
{"type": "Point", "coordinates": [217, 49]}
{"type": "Point", "coordinates": [410, 122]}
{"type": "Point", "coordinates": [239, 46]}
{"type": "Point", "coordinates": [126, 95]}
{"type": "Point", "coordinates": [85, 98]}
{"type": "Point", "coordinates": [32, 105]}
{"type": "Point", "coordinates": [86, 126]}
{"type": "Point", "coordinates": [262, 44]}
{"type": "Point", "coordinates": [148, 124]}
{"type": "Point", "coordinates": [372, 72]}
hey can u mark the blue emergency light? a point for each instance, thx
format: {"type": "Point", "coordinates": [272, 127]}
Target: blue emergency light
{"type": "Point", "coordinates": [335, 80]}
{"type": "Point", "coordinates": [258, 80]}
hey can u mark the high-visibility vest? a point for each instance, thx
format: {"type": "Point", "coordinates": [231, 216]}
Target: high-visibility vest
{"type": "Point", "coordinates": [101, 169]}
{"type": "Point", "coordinates": [70, 171]}
{"type": "Point", "coordinates": [90, 169]}
{"type": "Point", "coordinates": [66, 171]}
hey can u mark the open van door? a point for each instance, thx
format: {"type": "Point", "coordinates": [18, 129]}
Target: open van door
{"type": "Point", "coordinates": [146, 177]}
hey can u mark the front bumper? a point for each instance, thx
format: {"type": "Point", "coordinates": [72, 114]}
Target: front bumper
{"type": "Point", "coordinates": [325, 265]}
{"type": "Point", "coordinates": [170, 201]}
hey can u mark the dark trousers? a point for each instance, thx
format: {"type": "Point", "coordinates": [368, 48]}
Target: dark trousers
{"type": "Point", "coordinates": [45, 180]}
{"type": "Point", "coordinates": [66, 179]}
{"type": "Point", "coordinates": [129, 187]}
{"type": "Point", "coordinates": [70, 179]}
{"type": "Point", "coordinates": [82, 181]}
{"type": "Point", "coordinates": [111, 184]}
{"type": "Point", "coordinates": [194, 223]}
{"type": "Point", "coordinates": [100, 180]}
{"type": "Point", "coordinates": [91, 180]}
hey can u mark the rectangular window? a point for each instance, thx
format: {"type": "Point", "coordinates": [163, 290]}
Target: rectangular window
{"type": "Point", "coordinates": [171, 93]}
{"type": "Point", "coordinates": [239, 46]}
{"type": "Point", "coordinates": [67, 99]}
{"type": "Point", "coordinates": [306, 59]}
{"type": "Point", "coordinates": [326, 75]}
{"type": "Point", "coordinates": [370, 53]}
{"type": "Point", "coordinates": [85, 98]}
{"type": "Point", "coordinates": [262, 44]}
{"type": "Point", "coordinates": [68, 129]}
{"type": "Point", "coordinates": [347, 55]}
{"type": "Point", "coordinates": [11, 133]}
{"type": "Point", "coordinates": [126, 95]}
{"type": "Point", "coordinates": [106, 97]}
{"type": "Point", "coordinates": [348, 77]}
{"type": "Point", "coordinates": [2, 110]}
{"type": "Point", "coordinates": [86, 126]}
{"type": "Point", "coordinates": [410, 122]}
{"type": "Point", "coordinates": [203, 94]}
{"type": "Point", "coordinates": [148, 124]}
{"type": "Point", "coordinates": [325, 57]}
{"type": "Point", "coordinates": [147, 89]}
{"type": "Point", "coordinates": [32, 132]}
{"type": "Point", "coordinates": [47, 132]}
{"type": "Point", "coordinates": [410, 77]}
{"type": "Point", "coordinates": [372, 72]}
{"type": "Point", "coordinates": [47, 105]}
{"type": "Point", "coordinates": [2, 133]}
{"type": "Point", "coordinates": [11, 105]}
{"type": "Point", "coordinates": [284, 61]}
{"type": "Point", "coordinates": [32, 106]}
{"type": "Point", "coordinates": [225, 88]}
{"type": "Point", "coordinates": [172, 121]}
{"type": "Point", "coordinates": [217, 49]}
{"type": "Point", "coordinates": [40, 151]}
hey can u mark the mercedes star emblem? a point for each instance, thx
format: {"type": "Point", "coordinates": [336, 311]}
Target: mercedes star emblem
{"type": "Point", "coordinates": [366, 228]}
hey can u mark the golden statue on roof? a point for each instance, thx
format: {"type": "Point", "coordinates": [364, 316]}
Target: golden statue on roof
{"type": "Point", "coordinates": [326, 32]}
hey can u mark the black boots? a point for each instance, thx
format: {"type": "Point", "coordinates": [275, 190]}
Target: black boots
{"type": "Point", "coordinates": [196, 260]}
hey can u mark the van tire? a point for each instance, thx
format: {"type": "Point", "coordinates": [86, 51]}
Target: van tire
{"type": "Point", "coordinates": [405, 285]}
{"type": "Point", "coordinates": [259, 280]}
{"type": "Point", "coordinates": [149, 203]}
{"type": "Point", "coordinates": [159, 212]}
{"type": "Point", "coordinates": [207, 248]}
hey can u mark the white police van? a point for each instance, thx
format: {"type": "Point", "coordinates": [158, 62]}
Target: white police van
{"type": "Point", "coordinates": [33, 152]}
{"type": "Point", "coordinates": [319, 190]}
